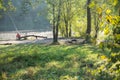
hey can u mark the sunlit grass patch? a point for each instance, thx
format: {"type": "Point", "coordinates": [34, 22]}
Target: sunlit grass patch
{"type": "Point", "coordinates": [46, 62]}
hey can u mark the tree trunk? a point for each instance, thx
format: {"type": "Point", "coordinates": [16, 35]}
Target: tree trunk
{"type": "Point", "coordinates": [96, 25]}
{"type": "Point", "coordinates": [88, 30]}
{"type": "Point", "coordinates": [57, 25]}
{"type": "Point", "coordinates": [119, 11]}
{"type": "Point", "coordinates": [66, 24]}
{"type": "Point", "coordinates": [54, 30]}
{"type": "Point", "coordinates": [70, 30]}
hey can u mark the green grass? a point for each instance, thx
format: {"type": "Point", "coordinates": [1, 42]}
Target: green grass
{"type": "Point", "coordinates": [53, 62]}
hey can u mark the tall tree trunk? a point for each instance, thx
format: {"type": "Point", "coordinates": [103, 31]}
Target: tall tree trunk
{"type": "Point", "coordinates": [66, 24]}
{"type": "Point", "coordinates": [119, 11]}
{"type": "Point", "coordinates": [88, 30]}
{"type": "Point", "coordinates": [58, 22]}
{"type": "Point", "coordinates": [70, 30]}
{"type": "Point", "coordinates": [96, 25]}
{"type": "Point", "coordinates": [54, 30]}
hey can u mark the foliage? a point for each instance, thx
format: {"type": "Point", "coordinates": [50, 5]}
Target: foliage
{"type": "Point", "coordinates": [6, 6]}
{"type": "Point", "coordinates": [108, 68]}
{"type": "Point", "coordinates": [76, 62]}
{"type": "Point", "coordinates": [1, 4]}
{"type": "Point", "coordinates": [108, 38]}
{"type": "Point", "coordinates": [26, 6]}
{"type": "Point", "coordinates": [108, 21]}
{"type": "Point", "coordinates": [70, 19]}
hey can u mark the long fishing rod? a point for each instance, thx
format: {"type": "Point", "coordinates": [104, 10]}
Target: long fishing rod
{"type": "Point", "coordinates": [13, 22]}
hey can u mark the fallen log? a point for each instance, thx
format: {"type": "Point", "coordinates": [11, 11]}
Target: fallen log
{"type": "Point", "coordinates": [6, 44]}
{"type": "Point", "coordinates": [25, 37]}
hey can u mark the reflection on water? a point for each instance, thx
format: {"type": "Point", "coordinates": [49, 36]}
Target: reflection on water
{"type": "Point", "coordinates": [11, 35]}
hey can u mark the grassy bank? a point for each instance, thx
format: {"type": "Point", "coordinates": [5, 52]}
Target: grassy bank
{"type": "Point", "coordinates": [53, 62]}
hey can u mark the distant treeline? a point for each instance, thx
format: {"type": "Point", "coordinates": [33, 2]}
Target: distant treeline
{"type": "Point", "coordinates": [24, 21]}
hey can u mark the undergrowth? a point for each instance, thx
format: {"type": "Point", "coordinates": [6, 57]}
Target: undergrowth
{"type": "Point", "coordinates": [54, 62]}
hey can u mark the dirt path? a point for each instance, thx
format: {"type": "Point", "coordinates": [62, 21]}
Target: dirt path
{"type": "Point", "coordinates": [40, 41]}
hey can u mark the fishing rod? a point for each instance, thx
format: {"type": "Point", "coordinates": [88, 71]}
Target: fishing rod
{"type": "Point", "coordinates": [13, 22]}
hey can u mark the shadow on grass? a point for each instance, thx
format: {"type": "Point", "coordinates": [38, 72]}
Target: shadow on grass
{"type": "Point", "coordinates": [34, 62]}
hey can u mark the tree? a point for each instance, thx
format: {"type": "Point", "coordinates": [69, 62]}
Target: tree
{"type": "Point", "coordinates": [58, 22]}
{"type": "Point", "coordinates": [26, 6]}
{"type": "Point", "coordinates": [67, 17]}
{"type": "Point", "coordinates": [1, 7]}
{"type": "Point", "coordinates": [6, 5]}
{"type": "Point", "coordinates": [88, 30]}
{"type": "Point", "coordinates": [96, 16]}
{"type": "Point", "coordinates": [55, 11]}
{"type": "Point", "coordinates": [70, 17]}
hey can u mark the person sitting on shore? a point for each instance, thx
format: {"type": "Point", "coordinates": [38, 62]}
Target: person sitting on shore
{"type": "Point", "coordinates": [18, 36]}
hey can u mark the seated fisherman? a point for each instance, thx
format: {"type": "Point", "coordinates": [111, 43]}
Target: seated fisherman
{"type": "Point", "coordinates": [18, 36]}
